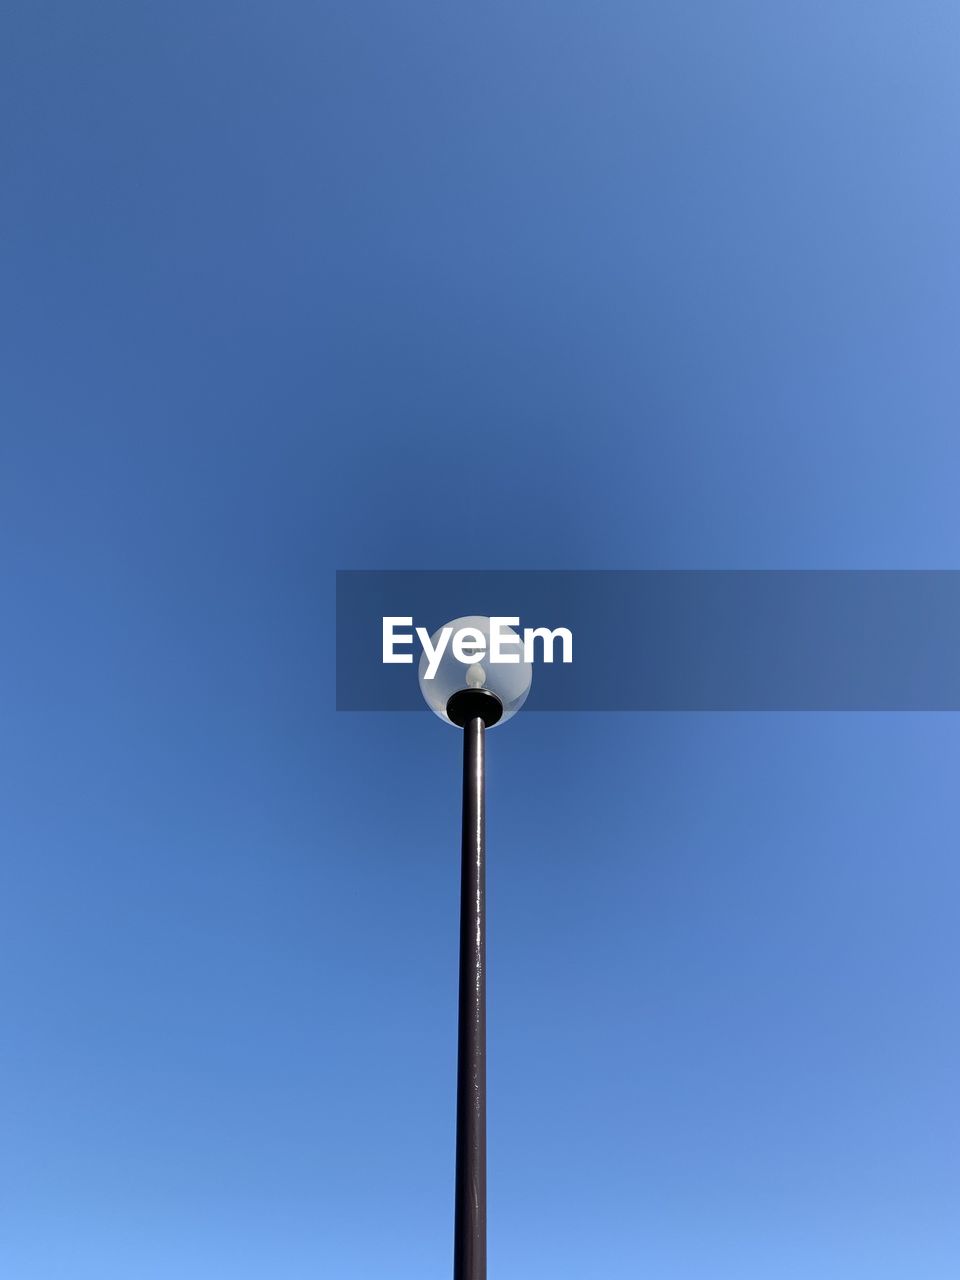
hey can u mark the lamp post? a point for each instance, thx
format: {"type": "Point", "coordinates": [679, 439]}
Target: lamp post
{"type": "Point", "coordinates": [474, 696]}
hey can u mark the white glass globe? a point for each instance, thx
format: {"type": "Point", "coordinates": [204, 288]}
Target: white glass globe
{"type": "Point", "coordinates": [510, 681]}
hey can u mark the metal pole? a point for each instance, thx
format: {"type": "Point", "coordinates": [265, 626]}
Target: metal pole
{"type": "Point", "coordinates": [470, 1231]}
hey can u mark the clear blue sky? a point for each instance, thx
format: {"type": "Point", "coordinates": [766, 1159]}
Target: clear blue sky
{"type": "Point", "coordinates": [289, 286]}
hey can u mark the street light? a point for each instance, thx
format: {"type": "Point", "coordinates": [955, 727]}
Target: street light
{"type": "Point", "coordinates": [475, 696]}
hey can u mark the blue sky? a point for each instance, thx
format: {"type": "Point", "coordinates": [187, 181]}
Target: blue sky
{"type": "Point", "coordinates": [294, 287]}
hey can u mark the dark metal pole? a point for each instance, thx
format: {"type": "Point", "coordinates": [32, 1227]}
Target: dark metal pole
{"type": "Point", "coordinates": [470, 1231]}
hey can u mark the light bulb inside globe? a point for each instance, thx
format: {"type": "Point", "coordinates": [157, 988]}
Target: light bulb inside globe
{"type": "Point", "coordinates": [476, 676]}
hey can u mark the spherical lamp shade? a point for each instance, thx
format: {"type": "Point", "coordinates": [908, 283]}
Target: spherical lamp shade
{"type": "Point", "coordinates": [508, 681]}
